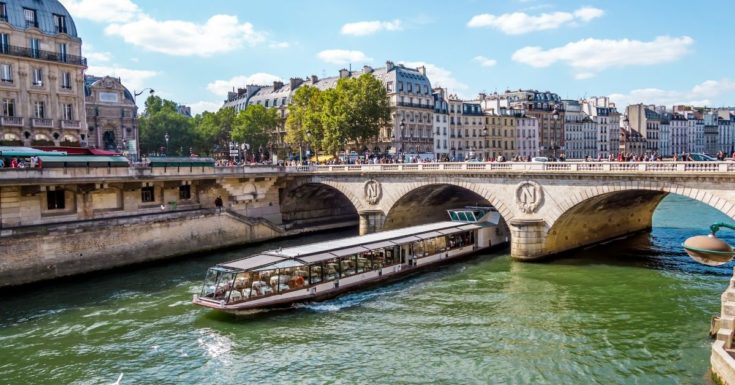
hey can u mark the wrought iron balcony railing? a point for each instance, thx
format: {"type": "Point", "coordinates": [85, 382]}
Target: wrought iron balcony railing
{"type": "Point", "coordinates": [58, 57]}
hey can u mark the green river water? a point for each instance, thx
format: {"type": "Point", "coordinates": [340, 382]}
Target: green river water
{"type": "Point", "coordinates": [635, 311]}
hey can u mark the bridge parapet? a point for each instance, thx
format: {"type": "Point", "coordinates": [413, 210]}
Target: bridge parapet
{"type": "Point", "coordinates": [524, 167]}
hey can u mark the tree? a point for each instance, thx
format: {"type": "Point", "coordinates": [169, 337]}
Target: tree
{"type": "Point", "coordinates": [365, 108]}
{"type": "Point", "coordinates": [253, 124]}
{"type": "Point", "coordinates": [215, 128]}
{"type": "Point", "coordinates": [161, 118]}
{"type": "Point", "coordinates": [304, 116]}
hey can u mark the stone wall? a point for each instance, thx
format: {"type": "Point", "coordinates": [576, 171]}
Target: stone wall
{"type": "Point", "coordinates": [31, 255]}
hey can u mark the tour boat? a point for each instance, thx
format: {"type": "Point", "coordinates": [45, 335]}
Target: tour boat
{"type": "Point", "coordinates": [323, 270]}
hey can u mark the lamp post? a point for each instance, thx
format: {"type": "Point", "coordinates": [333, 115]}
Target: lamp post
{"type": "Point", "coordinates": [166, 137]}
{"type": "Point", "coordinates": [708, 249]}
{"type": "Point", "coordinates": [555, 116]}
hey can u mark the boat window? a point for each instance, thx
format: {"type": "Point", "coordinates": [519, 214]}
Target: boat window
{"type": "Point", "coordinates": [292, 278]}
{"type": "Point", "coordinates": [331, 269]}
{"type": "Point", "coordinates": [363, 261]}
{"type": "Point", "coordinates": [435, 245]}
{"type": "Point", "coordinates": [462, 216]}
{"type": "Point", "coordinates": [453, 215]}
{"type": "Point", "coordinates": [418, 248]}
{"type": "Point", "coordinates": [348, 265]}
{"type": "Point", "coordinates": [224, 285]}
{"type": "Point", "coordinates": [315, 273]}
{"type": "Point", "coordinates": [209, 283]}
{"type": "Point", "coordinates": [262, 283]}
{"type": "Point", "coordinates": [378, 259]}
{"type": "Point", "coordinates": [241, 288]}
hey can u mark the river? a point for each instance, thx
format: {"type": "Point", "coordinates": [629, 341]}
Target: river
{"type": "Point", "coordinates": [635, 311]}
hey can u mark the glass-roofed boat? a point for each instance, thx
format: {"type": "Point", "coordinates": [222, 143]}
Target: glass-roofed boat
{"type": "Point", "coordinates": [322, 270]}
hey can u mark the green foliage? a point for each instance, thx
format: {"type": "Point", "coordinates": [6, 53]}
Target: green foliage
{"type": "Point", "coordinates": [253, 124]}
{"type": "Point", "coordinates": [161, 118]}
{"type": "Point", "coordinates": [353, 112]}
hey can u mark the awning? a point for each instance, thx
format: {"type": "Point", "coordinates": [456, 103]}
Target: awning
{"type": "Point", "coordinates": [27, 151]}
{"type": "Point", "coordinates": [317, 257]}
{"type": "Point", "coordinates": [405, 240]}
{"type": "Point", "coordinates": [379, 245]}
{"type": "Point", "coordinates": [252, 262]}
{"type": "Point", "coordinates": [349, 251]}
{"type": "Point", "coordinates": [430, 235]}
{"type": "Point", "coordinates": [97, 151]}
{"type": "Point", "coordinates": [281, 265]}
{"type": "Point", "coordinates": [453, 230]}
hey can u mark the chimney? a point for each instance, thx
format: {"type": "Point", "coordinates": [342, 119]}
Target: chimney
{"type": "Point", "coordinates": [482, 96]}
{"type": "Point", "coordinates": [295, 82]}
{"type": "Point", "coordinates": [277, 85]}
{"type": "Point", "coordinates": [389, 66]}
{"type": "Point", "coordinates": [422, 69]}
{"type": "Point", "coordinates": [366, 69]}
{"type": "Point", "coordinates": [314, 79]}
{"type": "Point", "coordinates": [344, 73]}
{"type": "Point", "coordinates": [241, 91]}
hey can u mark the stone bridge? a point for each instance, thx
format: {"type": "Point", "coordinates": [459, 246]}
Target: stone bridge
{"type": "Point", "coordinates": [550, 208]}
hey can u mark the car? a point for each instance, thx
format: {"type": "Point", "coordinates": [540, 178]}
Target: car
{"type": "Point", "coordinates": [702, 158]}
{"type": "Point", "coordinates": [539, 159]}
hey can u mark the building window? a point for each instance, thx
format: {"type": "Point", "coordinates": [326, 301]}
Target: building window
{"type": "Point", "coordinates": [389, 86]}
{"type": "Point", "coordinates": [66, 80]}
{"type": "Point", "coordinates": [410, 87]}
{"type": "Point", "coordinates": [6, 73]}
{"type": "Point", "coordinates": [62, 52]}
{"type": "Point", "coordinates": [55, 199]}
{"type": "Point", "coordinates": [8, 107]}
{"type": "Point", "coordinates": [35, 45]}
{"type": "Point", "coordinates": [3, 12]}
{"type": "Point", "coordinates": [185, 192]}
{"type": "Point", "coordinates": [60, 23]}
{"type": "Point", "coordinates": [30, 17]}
{"type": "Point", "coordinates": [266, 103]}
{"type": "Point", "coordinates": [68, 112]}
{"type": "Point", "coordinates": [146, 194]}
{"type": "Point", "coordinates": [38, 110]}
{"type": "Point", "coordinates": [400, 86]}
{"type": "Point", "coordinates": [4, 42]}
{"type": "Point", "coordinates": [37, 77]}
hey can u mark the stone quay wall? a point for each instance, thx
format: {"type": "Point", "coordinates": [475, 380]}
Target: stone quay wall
{"type": "Point", "coordinates": [46, 252]}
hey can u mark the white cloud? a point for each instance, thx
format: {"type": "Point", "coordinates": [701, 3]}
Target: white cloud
{"type": "Point", "coordinates": [707, 93]}
{"type": "Point", "coordinates": [591, 56]}
{"type": "Point", "coordinates": [343, 56]}
{"type": "Point", "coordinates": [517, 23]}
{"type": "Point", "coordinates": [203, 105]}
{"type": "Point", "coordinates": [222, 87]}
{"type": "Point", "coordinates": [102, 10]}
{"type": "Point", "coordinates": [438, 76]}
{"type": "Point", "coordinates": [219, 34]}
{"type": "Point", "coordinates": [95, 56]}
{"type": "Point", "coordinates": [279, 45]}
{"type": "Point", "coordinates": [484, 61]}
{"type": "Point", "coordinates": [364, 28]}
{"type": "Point", "coordinates": [132, 79]}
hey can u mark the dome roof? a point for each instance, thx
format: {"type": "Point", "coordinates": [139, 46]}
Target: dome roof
{"type": "Point", "coordinates": [45, 11]}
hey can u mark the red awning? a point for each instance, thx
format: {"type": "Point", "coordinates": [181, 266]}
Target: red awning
{"type": "Point", "coordinates": [97, 151]}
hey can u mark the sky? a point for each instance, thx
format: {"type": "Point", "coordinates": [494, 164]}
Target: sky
{"type": "Point", "coordinates": [194, 52]}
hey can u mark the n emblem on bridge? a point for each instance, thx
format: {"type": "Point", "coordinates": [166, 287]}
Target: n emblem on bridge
{"type": "Point", "coordinates": [529, 196]}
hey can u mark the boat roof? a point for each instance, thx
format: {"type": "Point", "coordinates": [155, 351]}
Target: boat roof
{"type": "Point", "coordinates": [315, 252]}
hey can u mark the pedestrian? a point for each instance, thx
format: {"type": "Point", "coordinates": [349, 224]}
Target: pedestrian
{"type": "Point", "coordinates": [218, 204]}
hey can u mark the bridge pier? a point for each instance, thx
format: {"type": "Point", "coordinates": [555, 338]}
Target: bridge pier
{"type": "Point", "coordinates": [527, 238]}
{"type": "Point", "coordinates": [371, 221]}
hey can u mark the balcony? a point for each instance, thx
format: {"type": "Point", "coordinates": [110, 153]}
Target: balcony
{"type": "Point", "coordinates": [415, 105]}
{"type": "Point", "coordinates": [13, 50]}
{"type": "Point", "coordinates": [11, 121]}
{"type": "Point", "coordinates": [42, 123]}
{"type": "Point", "coordinates": [71, 124]}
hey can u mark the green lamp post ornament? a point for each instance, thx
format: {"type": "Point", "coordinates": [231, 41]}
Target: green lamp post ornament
{"type": "Point", "coordinates": [708, 249]}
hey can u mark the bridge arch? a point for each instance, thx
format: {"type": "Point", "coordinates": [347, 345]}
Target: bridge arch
{"type": "Point", "coordinates": [481, 190]}
{"type": "Point", "coordinates": [309, 202]}
{"type": "Point", "coordinates": [601, 213]}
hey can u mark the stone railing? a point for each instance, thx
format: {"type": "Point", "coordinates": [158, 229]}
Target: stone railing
{"type": "Point", "coordinates": [8, 175]}
{"type": "Point", "coordinates": [564, 167]}
{"type": "Point", "coordinates": [14, 121]}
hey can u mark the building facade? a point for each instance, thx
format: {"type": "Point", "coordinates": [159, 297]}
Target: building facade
{"type": "Point", "coordinates": [111, 114]}
{"type": "Point", "coordinates": [410, 95]}
{"type": "Point", "coordinates": [441, 124]}
{"type": "Point", "coordinates": [646, 120]}
{"type": "Point", "coordinates": [41, 75]}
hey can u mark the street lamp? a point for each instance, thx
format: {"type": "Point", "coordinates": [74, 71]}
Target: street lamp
{"type": "Point", "coordinates": [708, 249]}
{"type": "Point", "coordinates": [555, 116]}
{"type": "Point", "coordinates": [166, 137]}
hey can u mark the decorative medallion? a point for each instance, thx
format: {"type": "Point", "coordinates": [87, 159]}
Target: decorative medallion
{"type": "Point", "coordinates": [373, 191]}
{"type": "Point", "coordinates": [529, 196]}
